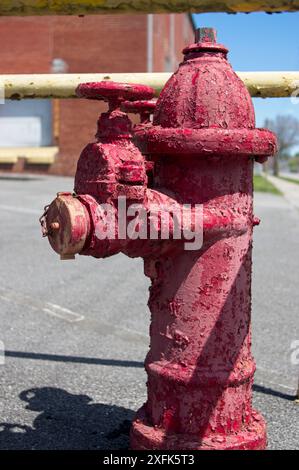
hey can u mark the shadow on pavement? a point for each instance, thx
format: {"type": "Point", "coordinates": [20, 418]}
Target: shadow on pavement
{"type": "Point", "coordinates": [274, 393]}
{"type": "Point", "coordinates": [68, 421]}
{"type": "Point", "coordinates": [75, 359]}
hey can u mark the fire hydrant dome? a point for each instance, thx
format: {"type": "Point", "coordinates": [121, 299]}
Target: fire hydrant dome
{"type": "Point", "coordinates": [205, 109]}
{"type": "Point", "coordinates": [194, 98]}
{"type": "Point", "coordinates": [205, 92]}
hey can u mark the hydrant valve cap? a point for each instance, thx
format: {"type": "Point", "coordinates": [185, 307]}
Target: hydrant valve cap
{"type": "Point", "coordinates": [70, 219]}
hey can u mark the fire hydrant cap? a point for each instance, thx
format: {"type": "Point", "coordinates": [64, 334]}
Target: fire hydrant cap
{"type": "Point", "coordinates": [205, 92]}
{"type": "Point", "coordinates": [67, 224]}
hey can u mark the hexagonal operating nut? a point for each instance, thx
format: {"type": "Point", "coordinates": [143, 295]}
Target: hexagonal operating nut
{"type": "Point", "coordinates": [206, 35]}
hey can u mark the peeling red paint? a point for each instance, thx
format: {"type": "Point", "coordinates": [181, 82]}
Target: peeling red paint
{"type": "Point", "coordinates": [203, 141]}
{"type": "Point", "coordinates": [199, 150]}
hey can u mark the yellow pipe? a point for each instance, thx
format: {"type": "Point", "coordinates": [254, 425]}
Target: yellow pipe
{"type": "Point", "coordinates": [271, 84]}
{"type": "Point", "coordinates": [85, 7]}
{"type": "Point", "coordinates": [259, 84]}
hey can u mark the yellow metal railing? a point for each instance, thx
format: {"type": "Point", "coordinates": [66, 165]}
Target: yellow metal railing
{"type": "Point", "coordinates": [259, 84]}
{"type": "Point", "coordinates": [85, 7]}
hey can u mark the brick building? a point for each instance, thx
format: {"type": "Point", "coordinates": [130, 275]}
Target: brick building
{"type": "Point", "coordinates": [48, 135]}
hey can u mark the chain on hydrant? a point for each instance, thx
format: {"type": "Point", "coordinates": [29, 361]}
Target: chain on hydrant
{"type": "Point", "coordinates": [197, 153]}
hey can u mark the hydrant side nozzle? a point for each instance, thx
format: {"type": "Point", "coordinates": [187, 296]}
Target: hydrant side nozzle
{"type": "Point", "coordinates": [67, 225]}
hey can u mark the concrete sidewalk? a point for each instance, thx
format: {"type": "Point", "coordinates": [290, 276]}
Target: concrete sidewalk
{"type": "Point", "coordinates": [289, 190]}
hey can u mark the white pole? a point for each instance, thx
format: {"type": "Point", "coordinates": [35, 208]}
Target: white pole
{"type": "Point", "coordinates": [150, 38]}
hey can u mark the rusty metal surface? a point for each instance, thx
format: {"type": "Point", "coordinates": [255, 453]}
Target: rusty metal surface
{"type": "Point", "coordinates": [76, 7]}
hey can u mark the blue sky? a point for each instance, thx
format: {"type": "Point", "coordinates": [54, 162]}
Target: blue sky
{"type": "Point", "coordinates": [258, 41]}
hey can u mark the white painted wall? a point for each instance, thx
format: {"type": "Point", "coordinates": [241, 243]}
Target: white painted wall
{"type": "Point", "coordinates": [26, 123]}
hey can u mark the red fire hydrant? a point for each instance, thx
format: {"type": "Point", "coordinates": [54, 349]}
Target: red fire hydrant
{"type": "Point", "coordinates": [200, 151]}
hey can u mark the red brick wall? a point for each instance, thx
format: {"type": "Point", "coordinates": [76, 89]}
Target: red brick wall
{"type": "Point", "coordinates": [108, 43]}
{"type": "Point", "coordinates": [26, 45]}
{"type": "Point", "coordinates": [182, 34]}
{"type": "Point", "coordinates": [93, 44]}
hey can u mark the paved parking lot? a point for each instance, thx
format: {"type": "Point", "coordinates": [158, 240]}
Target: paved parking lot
{"type": "Point", "coordinates": [75, 333]}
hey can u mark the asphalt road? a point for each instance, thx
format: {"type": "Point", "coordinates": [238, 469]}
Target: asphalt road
{"type": "Point", "coordinates": [75, 333]}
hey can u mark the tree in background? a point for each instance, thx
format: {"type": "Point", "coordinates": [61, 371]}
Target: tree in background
{"type": "Point", "coordinates": [294, 163]}
{"type": "Point", "coordinates": [286, 127]}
